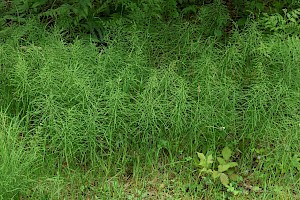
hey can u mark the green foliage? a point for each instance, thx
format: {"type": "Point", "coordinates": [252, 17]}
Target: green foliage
{"type": "Point", "coordinates": [18, 157]}
{"type": "Point", "coordinates": [224, 171]}
{"type": "Point", "coordinates": [296, 162]}
{"type": "Point", "coordinates": [205, 162]}
{"type": "Point", "coordinates": [84, 16]}
{"type": "Point", "coordinates": [288, 23]}
{"type": "Point", "coordinates": [152, 98]}
{"type": "Point", "coordinates": [90, 16]}
{"type": "Point", "coordinates": [255, 9]}
{"type": "Point", "coordinates": [214, 17]}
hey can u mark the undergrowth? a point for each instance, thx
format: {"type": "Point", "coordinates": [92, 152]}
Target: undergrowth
{"type": "Point", "coordinates": [78, 121]}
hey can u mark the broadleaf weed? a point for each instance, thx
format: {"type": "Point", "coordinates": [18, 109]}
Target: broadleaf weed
{"type": "Point", "coordinates": [224, 171]}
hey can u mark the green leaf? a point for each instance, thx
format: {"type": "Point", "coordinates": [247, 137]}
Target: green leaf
{"type": "Point", "coordinates": [235, 177]}
{"type": "Point", "coordinates": [293, 20]}
{"type": "Point", "coordinates": [206, 171]}
{"type": "Point", "coordinates": [223, 168]}
{"type": "Point", "coordinates": [295, 16]}
{"type": "Point", "coordinates": [205, 162]}
{"type": "Point", "coordinates": [224, 179]}
{"type": "Point", "coordinates": [201, 156]}
{"type": "Point", "coordinates": [232, 164]}
{"type": "Point", "coordinates": [230, 188]}
{"type": "Point", "coordinates": [221, 161]}
{"type": "Point", "coordinates": [215, 174]}
{"type": "Point", "coordinates": [226, 152]}
{"type": "Point", "coordinates": [297, 11]}
{"type": "Point", "coordinates": [230, 171]}
{"type": "Point", "coordinates": [39, 3]}
{"type": "Point", "coordinates": [210, 159]}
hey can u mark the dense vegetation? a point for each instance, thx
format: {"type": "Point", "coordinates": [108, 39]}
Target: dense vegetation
{"type": "Point", "coordinates": [154, 99]}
